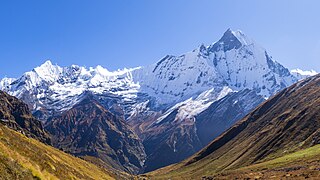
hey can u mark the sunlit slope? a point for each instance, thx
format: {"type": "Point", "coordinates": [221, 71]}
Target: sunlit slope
{"type": "Point", "coordinates": [26, 158]}
{"type": "Point", "coordinates": [298, 165]}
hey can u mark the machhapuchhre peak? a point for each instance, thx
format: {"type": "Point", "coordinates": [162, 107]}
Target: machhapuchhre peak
{"type": "Point", "coordinates": [221, 111]}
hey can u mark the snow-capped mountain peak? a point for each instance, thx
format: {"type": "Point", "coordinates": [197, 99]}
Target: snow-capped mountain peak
{"type": "Point", "coordinates": [245, 64]}
{"type": "Point", "coordinates": [5, 83]}
{"type": "Point", "coordinates": [231, 40]}
{"type": "Point", "coordinates": [176, 78]}
{"type": "Point", "coordinates": [48, 72]}
{"type": "Point", "coordinates": [58, 88]}
{"type": "Point", "coordinates": [245, 40]}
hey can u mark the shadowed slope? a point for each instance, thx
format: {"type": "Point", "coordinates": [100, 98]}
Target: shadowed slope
{"type": "Point", "coordinates": [286, 123]}
{"type": "Point", "coordinates": [16, 115]}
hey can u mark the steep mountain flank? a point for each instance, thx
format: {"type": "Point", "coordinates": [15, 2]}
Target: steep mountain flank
{"type": "Point", "coordinates": [172, 139]}
{"type": "Point", "coordinates": [88, 129]}
{"type": "Point", "coordinates": [288, 121]}
{"type": "Point", "coordinates": [16, 115]}
{"type": "Point", "coordinates": [222, 114]}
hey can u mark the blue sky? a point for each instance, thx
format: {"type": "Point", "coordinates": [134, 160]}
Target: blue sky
{"type": "Point", "coordinates": [127, 33]}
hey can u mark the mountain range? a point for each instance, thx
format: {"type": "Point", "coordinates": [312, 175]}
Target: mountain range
{"type": "Point", "coordinates": [140, 119]}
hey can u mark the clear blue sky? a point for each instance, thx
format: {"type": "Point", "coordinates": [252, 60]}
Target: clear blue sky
{"type": "Point", "coordinates": [129, 33]}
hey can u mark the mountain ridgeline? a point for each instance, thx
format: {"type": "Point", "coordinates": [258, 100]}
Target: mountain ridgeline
{"type": "Point", "coordinates": [175, 107]}
{"type": "Point", "coordinates": [16, 115]}
{"type": "Point", "coordinates": [286, 123]}
{"type": "Point", "coordinates": [88, 129]}
{"type": "Point", "coordinates": [26, 152]}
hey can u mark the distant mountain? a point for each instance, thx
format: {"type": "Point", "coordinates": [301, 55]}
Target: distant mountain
{"type": "Point", "coordinates": [286, 123]}
{"type": "Point", "coordinates": [52, 89]}
{"type": "Point", "coordinates": [300, 74]}
{"type": "Point", "coordinates": [16, 115]}
{"type": "Point", "coordinates": [88, 129]}
{"type": "Point", "coordinates": [163, 102]}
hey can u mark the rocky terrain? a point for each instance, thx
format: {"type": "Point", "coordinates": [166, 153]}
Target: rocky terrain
{"type": "Point", "coordinates": [88, 129]}
{"type": "Point", "coordinates": [16, 115]}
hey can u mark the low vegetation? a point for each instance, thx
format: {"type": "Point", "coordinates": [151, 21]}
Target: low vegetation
{"type": "Point", "coordinates": [298, 165]}
{"type": "Point", "coordinates": [26, 158]}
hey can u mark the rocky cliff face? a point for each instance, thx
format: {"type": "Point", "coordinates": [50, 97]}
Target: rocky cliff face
{"type": "Point", "coordinates": [88, 129]}
{"type": "Point", "coordinates": [223, 113]}
{"type": "Point", "coordinates": [16, 115]}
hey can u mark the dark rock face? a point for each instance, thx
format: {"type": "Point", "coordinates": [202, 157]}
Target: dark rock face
{"type": "Point", "coordinates": [16, 115]}
{"type": "Point", "coordinates": [88, 129]}
{"type": "Point", "coordinates": [172, 141]}
{"type": "Point", "coordinates": [222, 114]}
{"type": "Point", "coordinates": [287, 122]}
{"type": "Point", "coordinates": [226, 43]}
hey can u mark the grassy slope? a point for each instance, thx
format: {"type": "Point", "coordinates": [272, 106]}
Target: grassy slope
{"type": "Point", "coordinates": [299, 165]}
{"type": "Point", "coordinates": [26, 158]}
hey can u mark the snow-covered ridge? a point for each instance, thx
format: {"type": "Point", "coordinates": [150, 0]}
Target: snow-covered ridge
{"type": "Point", "coordinates": [177, 78]}
{"type": "Point", "coordinates": [5, 83]}
{"type": "Point", "coordinates": [235, 61]}
{"type": "Point", "coordinates": [193, 106]}
{"type": "Point", "coordinates": [245, 40]}
{"type": "Point", "coordinates": [53, 87]}
{"type": "Point", "coordinates": [301, 74]}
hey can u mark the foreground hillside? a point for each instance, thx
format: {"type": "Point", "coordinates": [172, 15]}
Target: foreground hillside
{"type": "Point", "coordinates": [302, 164]}
{"type": "Point", "coordinates": [26, 158]}
{"type": "Point", "coordinates": [287, 123]}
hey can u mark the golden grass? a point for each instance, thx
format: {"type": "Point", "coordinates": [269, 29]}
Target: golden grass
{"type": "Point", "coordinates": [308, 161]}
{"type": "Point", "coordinates": [31, 159]}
